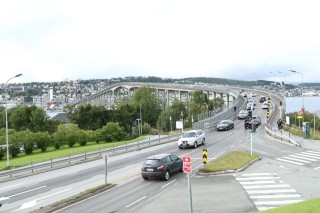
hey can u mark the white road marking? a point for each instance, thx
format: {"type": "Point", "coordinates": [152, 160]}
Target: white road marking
{"type": "Point", "coordinates": [27, 191]}
{"type": "Point", "coordinates": [296, 159]}
{"type": "Point", "coordinates": [258, 178]}
{"type": "Point", "coordinates": [304, 158]}
{"type": "Point", "coordinates": [258, 174]}
{"type": "Point", "coordinates": [35, 202]}
{"type": "Point", "coordinates": [288, 161]}
{"type": "Point", "coordinates": [277, 202]}
{"type": "Point", "coordinates": [168, 183]}
{"type": "Point", "coordinates": [311, 154]}
{"type": "Point", "coordinates": [308, 156]}
{"type": "Point", "coordinates": [135, 201]}
{"type": "Point", "coordinates": [275, 196]}
{"type": "Point", "coordinates": [314, 152]}
{"type": "Point", "coordinates": [317, 168]}
{"type": "Point", "coordinates": [2, 189]}
{"type": "Point", "coordinates": [256, 182]}
{"type": "Point", "coordinates": [271, 191]}
{"type": "Point", "coordinates": [220, 153]}
{"type": "Point", "coordinates": [267, 186]}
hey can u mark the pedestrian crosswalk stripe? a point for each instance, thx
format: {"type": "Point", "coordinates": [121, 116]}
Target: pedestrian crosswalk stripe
{"type": "Point", "coordinates": [257, 174]}
{"type": "Point", "coordinates": [288, 161]}
{"type": "Point", "coordinates": [258, 178]}
{"type": "Point", "coordinates": [275, 196]}
{"type": "Point", "coordinates": [267, 186]}
{"type": "Point", "coordinates": [277, 202]}
{"type": "Point", "coordinates": [304, 158]}
{"type": "Point", "coordinates": [256, 182]}
{"type": "Point", "coordinates": [271, 191]}
{"type": "Point", "coordinates": [295, 159]}
{"type": "Point", "coordinates": [312, 154]}
{"type": "Point", "coordinates": [308, 156]}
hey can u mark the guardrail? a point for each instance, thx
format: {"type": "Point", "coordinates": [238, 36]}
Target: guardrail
{"type": "Point", "coordinates": [71, 160]}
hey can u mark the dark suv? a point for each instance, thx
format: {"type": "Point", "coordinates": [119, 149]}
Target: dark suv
{"type": "Point", "coordinates": [161, 166]}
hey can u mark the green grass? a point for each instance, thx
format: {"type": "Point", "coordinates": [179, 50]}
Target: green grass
{"type": "Point", "coordinates": [232, 160]}
{"type": "Point", "coordinates": [37, 156]}
{"type": "Point", "coordinates": [298, 131]}
{"type": "Point", "coordinates": [309, 206]}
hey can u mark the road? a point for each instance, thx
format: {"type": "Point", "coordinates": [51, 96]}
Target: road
{"type": "Point", "coordinates": [135, 194]}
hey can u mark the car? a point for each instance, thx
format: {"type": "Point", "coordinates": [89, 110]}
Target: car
{"type": "Point", "coordinates": [191, 138]}
{"type": "Point", "coordinates": [161, 166]}
{"type": "Point", "coordinates": [262, 99]}
{"type": "Point", "coordinates": [256, 120]}
{"type": "Point", "coordinates": [225, 125]}
{"type": "Point", "coordinates": [250, 106]}
{"type": "Point", "coordinates": [243, 114]}
{"type": "Point", "coordinates": [252, 94]}
{"type": "Point", "coordinates": [265, 105]}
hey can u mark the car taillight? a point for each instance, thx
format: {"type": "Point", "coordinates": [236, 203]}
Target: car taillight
{"type": "Point", "coordinates": [160, 168]}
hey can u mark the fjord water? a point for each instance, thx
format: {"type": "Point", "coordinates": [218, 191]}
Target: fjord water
{"type": "Point", "coordinates": [311, 104]}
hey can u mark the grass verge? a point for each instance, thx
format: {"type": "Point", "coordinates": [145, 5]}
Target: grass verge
{"type": "Point", "coordinates": [232, 160]}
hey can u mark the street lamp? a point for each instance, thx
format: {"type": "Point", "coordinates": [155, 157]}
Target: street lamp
{"type": "Point", "coordinates": [5, 100]}
{"type": "Point", "coordinates": [302, 87]}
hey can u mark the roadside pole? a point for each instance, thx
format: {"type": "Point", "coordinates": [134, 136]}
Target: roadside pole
{"type": "Point", "coordinates": [190, 194]}
{"type": "Point", "coordinates": [106, 164]}
{"type": "Point", "coordinates": [188, 169]}
{"type": "Point", "coordinates": [251, 144]}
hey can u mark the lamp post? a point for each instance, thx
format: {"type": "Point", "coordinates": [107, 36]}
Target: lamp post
{"type": "Point", "coordinates": [5, 100]}
{"type": "Point", "coordinates": [301, 88]}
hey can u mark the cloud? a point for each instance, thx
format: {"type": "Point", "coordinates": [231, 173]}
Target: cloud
{"type": "Point", "coordinates": [57, 40]}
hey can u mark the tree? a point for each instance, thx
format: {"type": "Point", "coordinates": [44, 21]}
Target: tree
{"type": "Point", "coordinates": [38, 119]}
{"type": "Point", "coordinates": [145, 101]}
{"type": "Point", "coordinates": [42, 140]}
{"type": "Point", "coordinates": [67, 134]}
{"type": "Point", "coordinates": [112, 132]}
{"type": "Point", "coordinates": [125, 116]}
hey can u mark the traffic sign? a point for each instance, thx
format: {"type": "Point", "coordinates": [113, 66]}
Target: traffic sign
{"type": "Point", "coordinates": [204, 156]}
{"type": "Point", "coordinates": [299, 113]}
{"type": "Point", "coordinates": [187, 164]}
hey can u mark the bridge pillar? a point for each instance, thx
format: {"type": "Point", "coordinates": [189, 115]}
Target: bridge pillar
{"type": "Point", "coordinates": [228, 100]}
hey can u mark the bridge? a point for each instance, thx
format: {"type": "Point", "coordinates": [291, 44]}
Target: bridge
{"type": "Point", "coordinates": [111, 95]}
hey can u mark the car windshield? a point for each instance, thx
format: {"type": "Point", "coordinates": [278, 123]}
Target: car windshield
{"type": "Point", "coordinates": [224, 122]}
{"type": "Point", "coordinates": [189, 135]}
{"type": "Point", "coordinates": [151, 162]}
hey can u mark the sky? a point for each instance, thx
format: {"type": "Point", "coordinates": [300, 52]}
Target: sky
{"type": "Point", "coordinates": [49, 41]}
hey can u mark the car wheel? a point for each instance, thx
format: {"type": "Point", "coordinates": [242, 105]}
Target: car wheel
{"type": "Point", "coordinates": [166, 176]}
{"type": "Point", "coordinates": [181, 168]}
{"type": "Point", "coordinates": [180, 147]}
{"type": "Point", "coordinates": [203, 141]}
{"type": "Point", "coordinates": [195, 145]}
{"type": "Point", "coordinates": [227, 128]}
{"type": "Point", "coordinates": [146, 178]}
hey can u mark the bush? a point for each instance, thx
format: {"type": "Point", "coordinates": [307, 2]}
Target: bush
{"type": "Point", "coordinates": [2, 152]}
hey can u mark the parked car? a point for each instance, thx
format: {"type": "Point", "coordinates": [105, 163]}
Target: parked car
{"type": "Point", "coordinates": [225, 125]}
{"type": "Point", "coordinates": [192, 138]}
{"type": "Point", "coordinates": [161, 166]}
{"type": "Point", "coordinates": [243, 114]}
{"type": "Point", "coordinates": [256, 120]}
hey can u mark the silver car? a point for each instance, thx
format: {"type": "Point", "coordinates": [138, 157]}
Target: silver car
{"type": "Point", "coordinates": [191, 139]}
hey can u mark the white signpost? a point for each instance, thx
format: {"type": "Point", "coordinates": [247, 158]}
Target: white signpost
{"type": "Point", "coordinates": [188, 169]}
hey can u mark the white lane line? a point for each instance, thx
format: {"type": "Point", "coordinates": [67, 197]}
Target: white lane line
{"type": "Point", "coordinates": [232, 146]}
{"type": "Point", "coordinates": [267, 186]}
{"type": "Point", "coordinates": [282, 202]}
{"type": "Point", "coordinates": [258, 174]}
{"type": "Point", "coordinates": [271, 191]}
{"type": "Point", "coordinates": [301, 157]}
{"type": "Point", "coordinates": [3, 188]}
{"type": "Point", "coordinates": [35, 202]}
{"type": "Point", "coordinates": [263, 208]}
{"type": "Point", "coordinates": [258, 178]}
{"type": "Point", "coordinates": [220, 153]}
{"type": "Point", "coordinates": [136, 201]}
{"type": "Point", "coordinates": [288, 161]}
{"type": "Point", "coordinates": [275, 196]}
{"type": "Point", "coordinates": [256, 182]}
{"type": "Point", "coordinates": [168, 183]}
{"type": "Point", "coordinates": [308, 156]}
{"type": "Point", "coordinates": [296, 159]}
{"type": "Point", "coordinates": [26, 191]}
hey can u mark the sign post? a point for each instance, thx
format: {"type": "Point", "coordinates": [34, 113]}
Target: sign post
{"type": "Point", "coordinates": [106, 164]}
{"type": "Point", "coordinates": [187, 169]}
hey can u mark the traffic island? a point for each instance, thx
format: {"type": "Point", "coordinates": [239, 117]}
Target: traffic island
{"type": "Point", "coordinates": [231, 162]}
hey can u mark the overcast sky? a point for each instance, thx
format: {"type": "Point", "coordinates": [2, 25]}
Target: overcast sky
{"type": "Point", "coordinates": [56, 40]}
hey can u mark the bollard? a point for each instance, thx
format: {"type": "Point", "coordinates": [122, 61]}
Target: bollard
{"type": "Point", "coordinates": [69, 158]}
{"type": "Point", "coordinates": [31, 167]}
{"type": "Point", "coordinates": [126, 146]}
{"type": "Point", "coordinates": [51, 163]}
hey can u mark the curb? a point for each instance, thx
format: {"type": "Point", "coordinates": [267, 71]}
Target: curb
{"type": "Point", "coordinates": [229, 171]}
